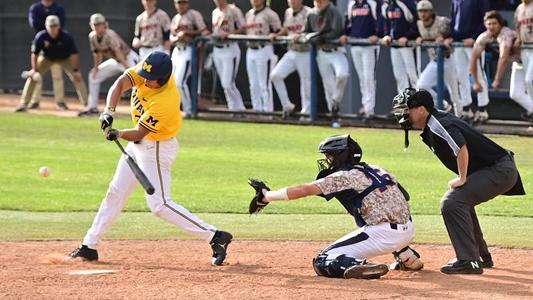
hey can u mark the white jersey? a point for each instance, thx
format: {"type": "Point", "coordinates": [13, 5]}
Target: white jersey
{"type": "Point", "coordinates": [524, 21]}
{"type": "Point", "coordinates": [189, 21]}
{"type": "Point", "coordinates": [152, 29]}
{"type": "Point", "coordinates": [227, 20]}
{"type": "Point", "coordinates": [439, 28]}
{"type": "Point", "coordinates": [294, 23]}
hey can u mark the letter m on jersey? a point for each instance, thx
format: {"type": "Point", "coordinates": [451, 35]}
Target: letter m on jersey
{"type": "Point", "coordinates": [152, 121]}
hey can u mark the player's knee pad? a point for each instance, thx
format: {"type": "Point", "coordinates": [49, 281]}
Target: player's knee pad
{"type": "Point", "coordinates": [407, 259]}
{"type": "Point", "coordinates": [333, 267]}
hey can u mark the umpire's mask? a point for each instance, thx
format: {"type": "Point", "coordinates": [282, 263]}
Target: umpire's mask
{"type": "Point", "coordinates": [339, 150]}
{"type": "Point", "coordinates": [401, 112]}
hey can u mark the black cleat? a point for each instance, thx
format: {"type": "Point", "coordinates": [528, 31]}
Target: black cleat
{"type": "Point", "coordinates": [34, 105]}
{"type": "Point", "coordinates": [89, 112]}
{"type": "Point", "coordinates": [219, 244]}
{"type": "Point", "coordinates": [61, 106]}
{"type": "Point", "coordinates": [527, 117]}
{"type": "Point", "coordinates": [85, 253]}
{"type": "Point", "coordinates": [366, 271]}
{"type": "Point", "coordinates": [463, 267]}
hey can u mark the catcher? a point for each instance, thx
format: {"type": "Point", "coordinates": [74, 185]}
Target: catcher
{"type": "Point", "coordinates": [371, 195]}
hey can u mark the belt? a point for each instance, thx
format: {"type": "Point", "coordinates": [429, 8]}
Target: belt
{"type": "Point", "coordinates": [329, 50]}
{"type": "Point", "coordinates": [257, 47]}
{"type": "Point", "coordinates": [395, 226]}
{"type": "Point", "coordinates": [223, 46]}
{"type": "Point", "coordinates": [181, 48]}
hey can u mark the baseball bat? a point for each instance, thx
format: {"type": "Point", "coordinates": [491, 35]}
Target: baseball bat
{"type": "Point", "coordinates": [143, 180]}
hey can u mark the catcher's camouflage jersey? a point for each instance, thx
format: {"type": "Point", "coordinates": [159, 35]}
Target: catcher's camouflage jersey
{"type": "Point", "coordinates": [524, 20]}
{"type": "Point", "coordinates": [152, 29]}
{"type": "Point", "coordinates": [294, 23]}
{"type": "Point", "coordinates": [439, 28]}
{"type": "Point", "coordinates": [380, 205]}
{"type": "Point", "coordinates": [108, 44]}
{"type": "Point", "coordinates": [227, 20]}
{"type": "Point", "coordinates": [189, 21]}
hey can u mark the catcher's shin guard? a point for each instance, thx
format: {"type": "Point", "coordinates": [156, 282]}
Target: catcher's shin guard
{"type": "Point", "coordinates": [407, 259]}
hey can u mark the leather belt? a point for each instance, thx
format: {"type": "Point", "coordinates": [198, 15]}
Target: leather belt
{"type": "Point", "coordinates": [329, 50]}
{"type": "Point", "coordinates": [257, 47]}
{"type": "Point", "coordinates": [222, 46]}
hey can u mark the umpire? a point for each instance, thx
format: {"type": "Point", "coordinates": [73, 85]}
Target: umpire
{"type": "Point", "coordinates": [485, 170]}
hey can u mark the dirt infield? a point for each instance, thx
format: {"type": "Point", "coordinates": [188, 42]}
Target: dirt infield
{"type": "Point", "coordinates": [254, 269]}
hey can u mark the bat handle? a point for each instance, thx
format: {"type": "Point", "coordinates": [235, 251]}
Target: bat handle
{"type": "Point", "coordinates": [120, 147]}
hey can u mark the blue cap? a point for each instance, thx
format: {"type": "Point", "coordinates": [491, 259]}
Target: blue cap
{"type": "Point", "coordinates": [157, 66]}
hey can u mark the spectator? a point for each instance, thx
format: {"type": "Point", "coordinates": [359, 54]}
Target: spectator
{"type": "Point", "coordinates": [36, 17]}
{"type": "Point", "coordinates": [524, 27]}
{"type": "Point", "coordinates": [436, 28]}
{"type": "Point", "coordinates": [260, 57]}
{"type": "Point", "coordinates": [363, 22]}
{"type": "Point", "coordinates": [325, 23]}
{"type": "Point", "coordinates": [496, 32]}
{"type": "Point", "coordinates": [467, 25]}
{"type": "Point", "coordinates": [400, 25]}
{"type": "Point", "coordinates": [53, 46]}
{"type": "Point", "coordinates": [185, 25]}
{"type": "Point", "coordinates": [152, 30]}
{"type": "Point", "coordinates": [106, 45]}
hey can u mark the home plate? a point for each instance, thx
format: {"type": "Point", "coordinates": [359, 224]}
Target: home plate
{"type": "Point", "coordinates": [91, 272]}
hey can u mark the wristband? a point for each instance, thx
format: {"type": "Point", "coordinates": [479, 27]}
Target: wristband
{"type": "Point", "coordinates": [277, 195]}
{"type": "Point", "coordinates": [109, 110]}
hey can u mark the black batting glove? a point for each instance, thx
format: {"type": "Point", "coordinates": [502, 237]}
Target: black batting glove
{"type": "Point", "coordinates": [106, 120]}
{"type": "Point", "coordinates": [111, 134]}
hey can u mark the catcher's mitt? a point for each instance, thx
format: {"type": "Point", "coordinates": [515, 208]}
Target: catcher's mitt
{"type": "Point", "coordinates": [257, 203]}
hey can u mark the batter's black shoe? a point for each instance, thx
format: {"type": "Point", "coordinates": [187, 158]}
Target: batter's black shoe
{"type": "Point", "coordinates": [85, 253]}
{"type": "Point", "coordinates": [366, 271]}
{"type": "Point", "coordinates": [463, 267]}
{"type": "Point", "coordinates": [219, 244]}
{"type": "Point", "coordinates": [486, 261]}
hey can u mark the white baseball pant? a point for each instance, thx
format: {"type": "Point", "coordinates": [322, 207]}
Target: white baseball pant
{"type": "Point", "coordinates": [428, 79]}
{"type": "Point", "coordinates": [290, 62]}
{"type": "Point", "coordinates": [226, 61]}
{"type": "Point", "coordinates": [517, 91]}
{"type": "Point", "coordinates": [145, 51]}
{"type": "Point", "coordinates": [181, 62]}
{"type": "Point", "coordinates": [461, 57]}
{"type": "Point", "coordinates": [259, 63]}
{"type": "Point", "coordinates": [404, 67]}
{"type": "Point", "coordinates": [333, 68]}
{"type": "Point", "coordinates": [107, 69]}
{"type": "Point", "coordinates": [527, 63]}
{"type": "Point", "coordinates": [372, 240]}
{"type": "Point", "coordinates": [155, 159]}
{"type": "Point", "coordinates": [364, 61]}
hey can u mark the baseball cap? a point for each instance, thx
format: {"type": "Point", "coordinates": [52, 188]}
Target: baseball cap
{"type": "Point", "coordinates": [97, 19]}
{"type": "Point", "coordinates": [51, 21]}
{"type": "Point", "coordinates": [156, 66]}
{"type": "Point", "coordinates": [424, 5]}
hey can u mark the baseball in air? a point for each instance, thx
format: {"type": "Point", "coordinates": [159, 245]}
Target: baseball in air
{"type": "Point", "coordinates": [45, 171]}
{"type": "Point", "coordinates": [336, 125]}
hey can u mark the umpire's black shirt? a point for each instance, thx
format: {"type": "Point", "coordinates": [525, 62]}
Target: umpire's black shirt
{"type": "Point", "coordinates": [445, 134]}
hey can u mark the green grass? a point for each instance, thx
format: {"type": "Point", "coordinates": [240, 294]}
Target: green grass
{"type": "Point", "coordinates": [215, 160]}
{"type": "Point", "coordinates": [137, 225]}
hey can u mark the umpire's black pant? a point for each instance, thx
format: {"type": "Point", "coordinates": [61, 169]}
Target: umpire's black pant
{"type": "Point", "coordinates": [457, 206]}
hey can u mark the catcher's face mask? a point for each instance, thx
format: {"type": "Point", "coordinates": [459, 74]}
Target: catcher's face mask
{"type": "Point", "coordinates": [324, 163]}
{"type": "Point", "coordinates": [401, 112]}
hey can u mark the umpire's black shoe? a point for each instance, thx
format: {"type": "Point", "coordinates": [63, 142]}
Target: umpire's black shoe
{"type": "Point", "coordinates": [85, 253]}
{"type": "Point", "coordinates": [463, 267]}
{"type": "Point", "coordinates": [219, 244]}
{"type": "Point", "coordinates": [486, 261]}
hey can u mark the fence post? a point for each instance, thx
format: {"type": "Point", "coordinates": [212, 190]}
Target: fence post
{"type": "Point", "coordinates": [194, 78]}
{"type": "Point", "coordinates": [440, 76]}
{"type": "Point", "coordinates": [314, 80]}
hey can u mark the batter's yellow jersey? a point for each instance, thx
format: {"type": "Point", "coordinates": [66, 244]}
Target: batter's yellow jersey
{"type": "Point", "coordinates": [157, 110]}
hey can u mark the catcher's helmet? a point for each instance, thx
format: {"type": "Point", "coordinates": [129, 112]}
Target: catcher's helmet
{"type": "Point", "coordinates": [339, 150]}
{"type": "Point", "coordinates": [157, 66]}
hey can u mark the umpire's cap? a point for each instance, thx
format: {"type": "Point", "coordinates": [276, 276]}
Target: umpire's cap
{"type": "Point", "coordinates": [157, 66]}
{"type": "Point", "coordinates": [423, 98]}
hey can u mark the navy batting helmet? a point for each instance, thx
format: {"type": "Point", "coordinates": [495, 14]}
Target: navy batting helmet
{"type": "Point", "coordinates": [341, 149]}
{"type": "Point", "coordinates": [157, 66]}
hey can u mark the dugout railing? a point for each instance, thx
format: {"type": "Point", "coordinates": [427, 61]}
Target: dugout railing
{"type": "Point", "coordinates": [313, 115]}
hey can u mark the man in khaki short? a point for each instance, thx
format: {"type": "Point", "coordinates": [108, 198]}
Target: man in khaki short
{"type": "Point", "coordinates": [53, 46]}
